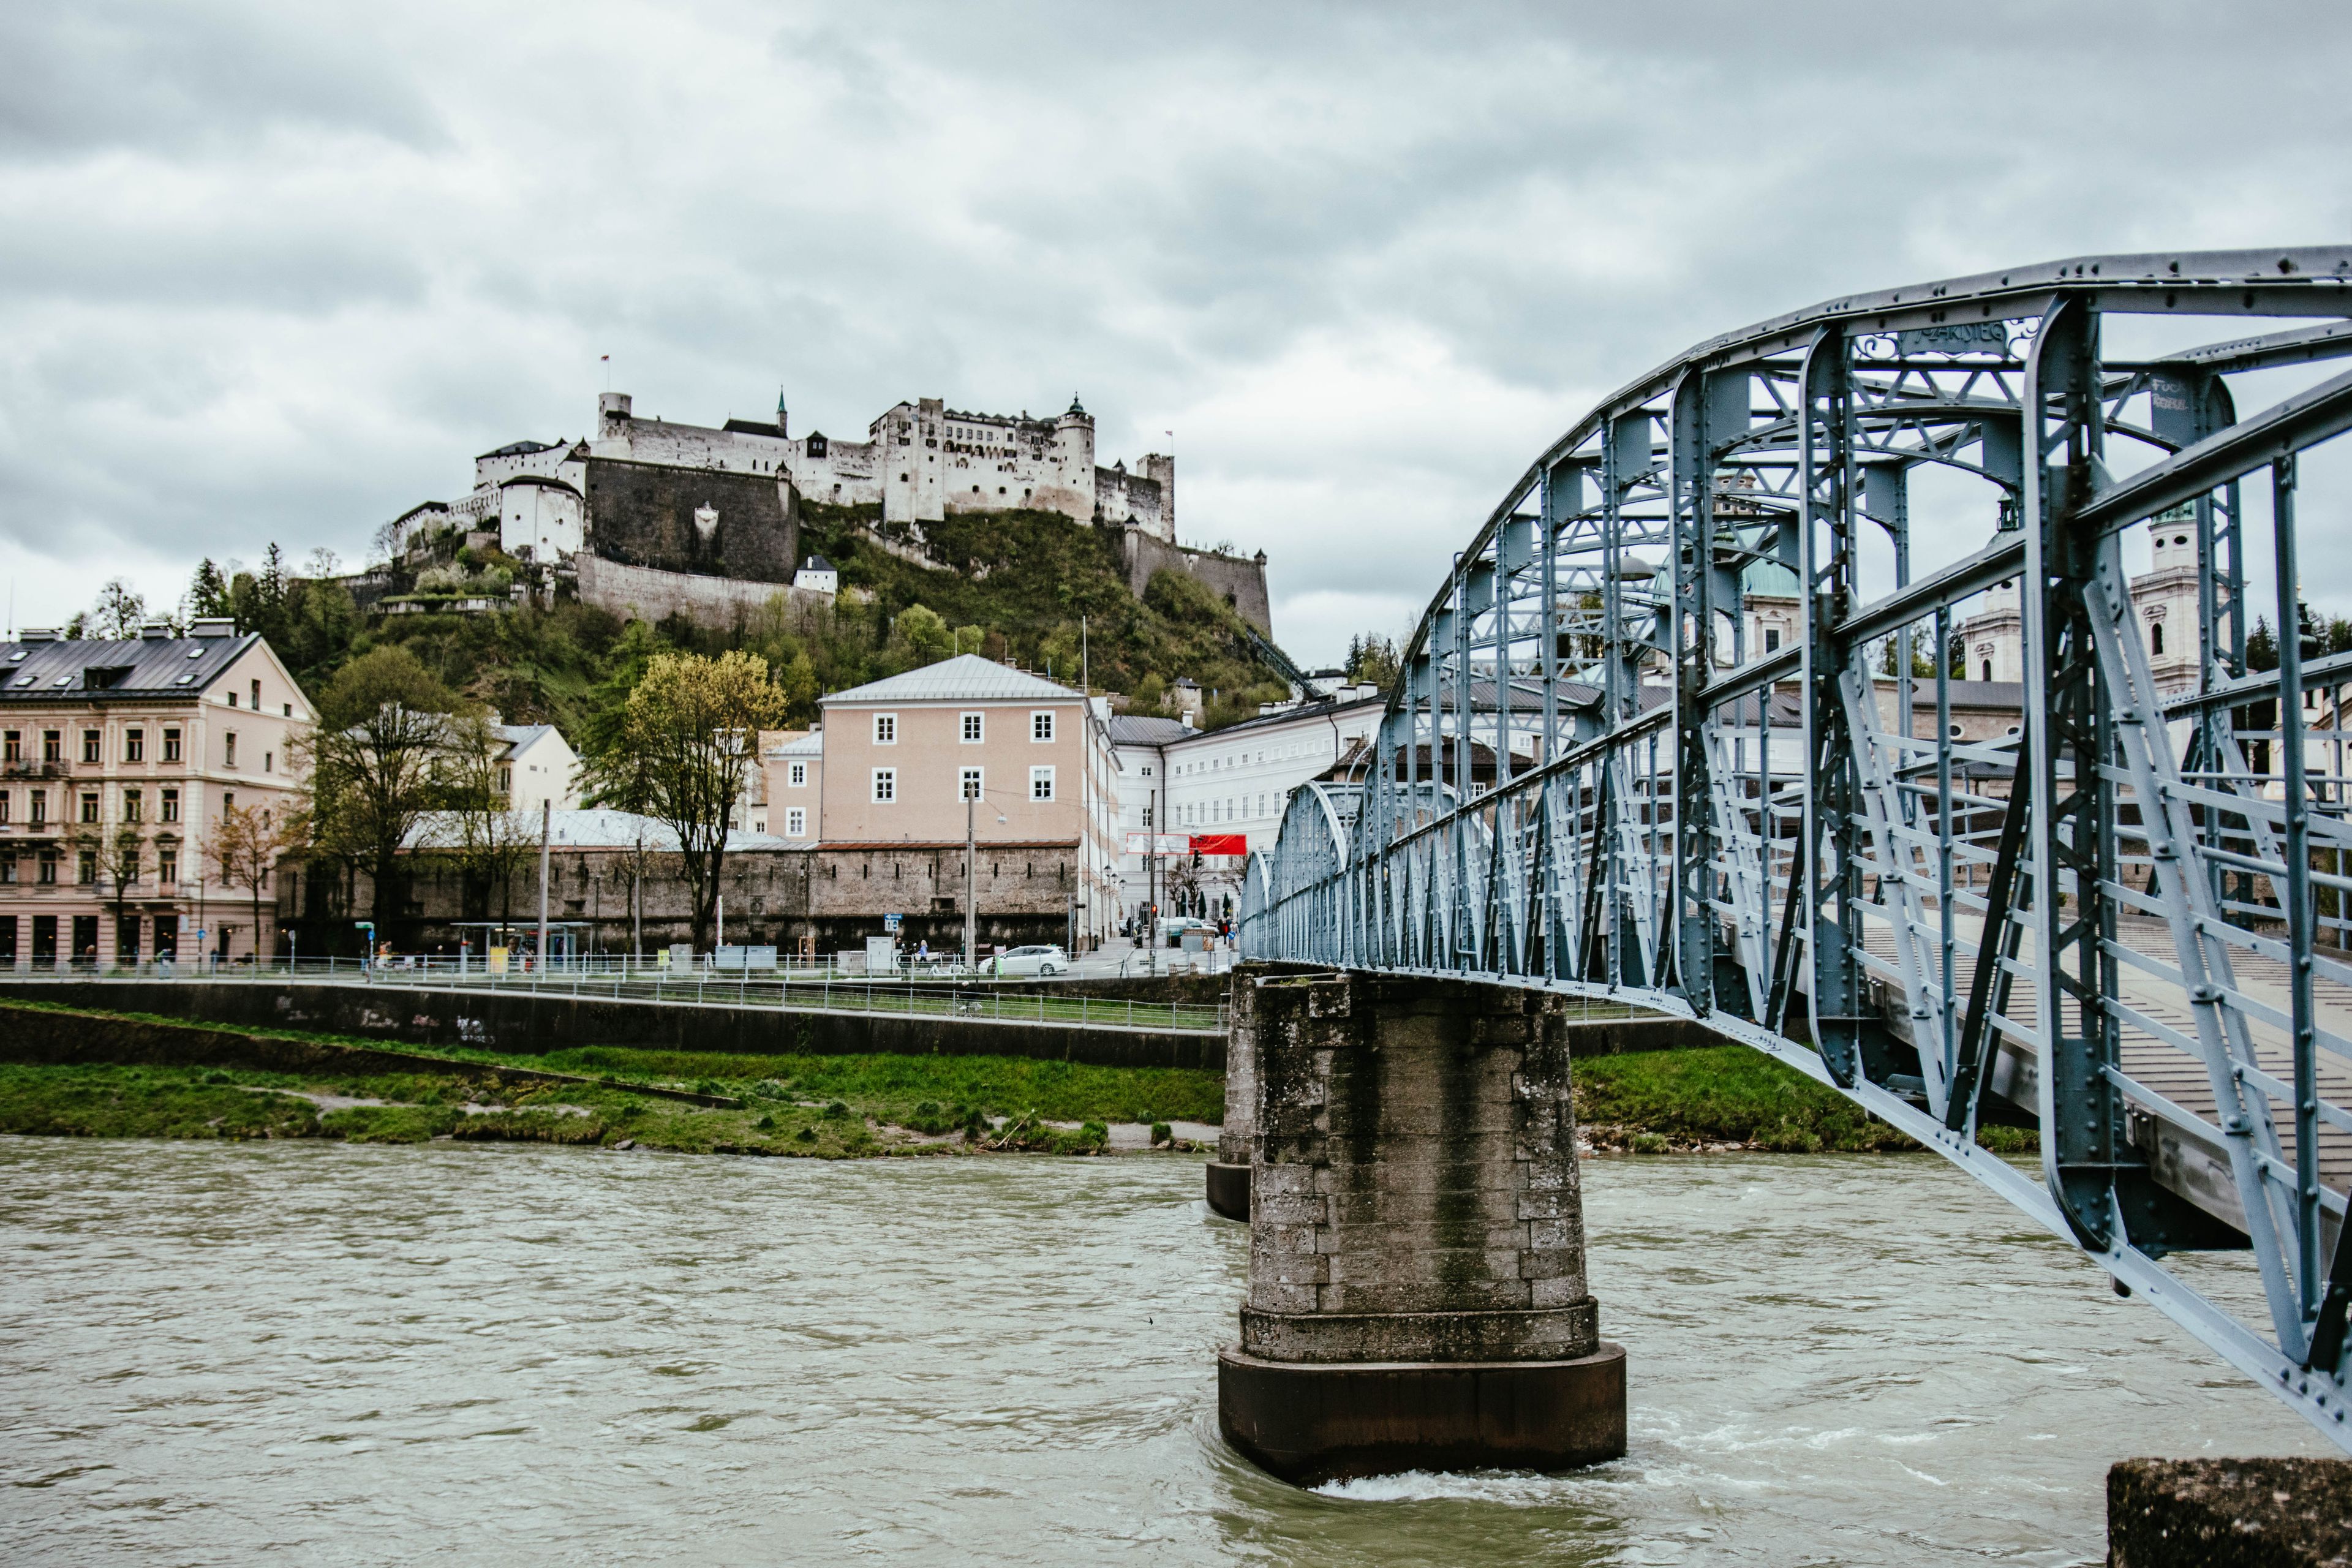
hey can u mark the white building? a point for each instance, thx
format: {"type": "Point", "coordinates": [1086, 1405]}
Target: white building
{"type": "Point", "coordinates": [535, 766]}
{"type": "Point", "coordinates": [818, 576]}
{"type": "Point", "coordinates": [1236, 781]}
{"type": "Point", "coordinates": [2164, 596]}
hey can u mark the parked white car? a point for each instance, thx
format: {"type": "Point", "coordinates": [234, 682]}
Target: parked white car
{"type": "Point", "coordinates": [1037, 961]}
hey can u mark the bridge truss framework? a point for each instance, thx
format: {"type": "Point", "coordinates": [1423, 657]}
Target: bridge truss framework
{"type": "Point", "coordinates": [1587, 780]}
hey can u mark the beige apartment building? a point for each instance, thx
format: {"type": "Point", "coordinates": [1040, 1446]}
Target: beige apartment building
{"type": "Point", "coordinates": [900, 758]}
{"type": "Point", "coordinates": [138, 743]}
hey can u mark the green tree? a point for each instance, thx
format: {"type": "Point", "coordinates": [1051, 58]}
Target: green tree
{"type": "Point", "coordinates": [686, 736]}
{"type": "Point", "coordinates": [797, 684]}
{"type": "Point", "coordinates": [379, 761]}
{"type": "Point", "coordinates": [208, 591]}
{"type": "Point", "coordinates": [922, 636]}
{"type": "Point", "coordinates": [1373, 657]}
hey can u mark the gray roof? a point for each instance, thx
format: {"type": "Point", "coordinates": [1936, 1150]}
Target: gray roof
{"type": "Point", "coordinates": [967, 677]}
{"type": "Point", "coordinates": [517, 736]}
{"type": "Point", "coordinates": [1316, 708]}
{"type": "Point", "coordinates": [817, 563]}
{"type": "Point", "coordinates": [1147, 730]}
{"type": "Point", "coordinates": [810, 744]}
{"type": "Point", "coordinates": [99, 670]}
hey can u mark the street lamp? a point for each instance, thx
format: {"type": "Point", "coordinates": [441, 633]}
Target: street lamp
{"type": "Point", "coordinates": [971, 875]}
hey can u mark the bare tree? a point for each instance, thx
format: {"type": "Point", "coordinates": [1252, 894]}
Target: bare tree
{"type": "Point", "coordinates": [244, 846]}
{"type": "Point", "coordinates": [118, 858]}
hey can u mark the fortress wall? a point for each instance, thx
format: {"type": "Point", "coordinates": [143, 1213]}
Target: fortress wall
{"type": "Point", "coordinates": [650, 595]}
{"type": "Point", "coordinates": [1239, 580]}
{"type": "Point", "coordinates": [643, 514]}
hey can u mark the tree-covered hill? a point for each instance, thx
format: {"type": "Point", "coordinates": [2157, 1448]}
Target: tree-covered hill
{"type": "Point", "coordinates": [1010, 586]}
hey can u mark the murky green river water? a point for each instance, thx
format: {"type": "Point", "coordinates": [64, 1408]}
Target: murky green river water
{"type": "Point", "coordinates": [323, 1355]}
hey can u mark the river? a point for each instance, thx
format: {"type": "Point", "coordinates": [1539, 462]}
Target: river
{"type": "Point", "coordinates": [337, 1354]}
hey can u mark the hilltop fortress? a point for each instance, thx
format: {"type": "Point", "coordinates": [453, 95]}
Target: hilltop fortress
{"type": "Point", "coordinates": [654, 517]}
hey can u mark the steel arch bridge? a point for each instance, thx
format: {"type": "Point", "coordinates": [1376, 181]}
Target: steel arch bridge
{"type": "Point", "coordinates": [1682, 726]}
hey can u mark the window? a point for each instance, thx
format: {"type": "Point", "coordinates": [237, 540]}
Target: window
{"type": "Point", "coordinates": [171, 743]}
{"type": "Point", "coordinates": [885, 786]}
{"type": "Point", "coordinates": [1041, 726]}
{"type": "Point", "coordinates": [131, 806]}
{"type": "Point", "coordinates": [3, 808]}
{"type": "Point", "coordinates": [86, 868]}
{"type": "Point", "coordinates": [53, 745]}
{"type": "Point", "coordinates": [47, 876]}
{"type": "Point", "coordinates": [12, 746]}
{"type": "Point", "coordinates": [1041, 784]}
{"type": "Point", "coordinates": [886, 728]}
{"type": "Point", "coordinates": [171, 808]}
{"type": "Point", "coordinates": [974, 727]}
{"type": "Point", "coordinates": [167, 865]}
{"type": "Point", "coordinates": [2155, 637]}
{"type": "Point", "coordinates": [89, 746]}
{"type": "Point", "coordinates": [270, 761]}
{"type": "Point", "coordinates": [1146, 815]}
{"type": "Point", "coordinates": [228, 800]}
{"type": "Point", "coordinates": [8, 866]}
{"type": "Point", "coordinates": [1772, 640]}
{"type": "Point", "coordinates": [800, 775]}
{"type": "Point", "coordinates": [968, 786]}
{"type": "Point", "coordinates": [232, 699]}
{"type": "Point", "coordinates": [89, 806]}
{"type": "Point", "coordinates": [1988, 670]}
{"type": "Point", "coordinates": [796, 822]}
{"type": "Point", "coordinates": [231, 752]}
{"type": "Point", "coordinates": [257, 696]}
{"type": "Point", "coordinates": [506, 780]}
{"type": "Point", "coordinates": [39, 815]}
{"type": "Point", "coordinates": [134, 745]}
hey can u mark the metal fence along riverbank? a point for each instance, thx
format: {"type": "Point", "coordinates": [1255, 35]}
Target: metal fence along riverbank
{"type": "Point", "coordinates": [809, 990]}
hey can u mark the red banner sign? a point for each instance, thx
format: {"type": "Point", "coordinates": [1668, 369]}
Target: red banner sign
{"type": "Point", "coordinates": [1220, 844]}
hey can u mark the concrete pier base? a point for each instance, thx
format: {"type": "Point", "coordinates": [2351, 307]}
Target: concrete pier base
{"type": "Point", "coordinates": [2248, 1513]}
{"type": "Point", "coordinates": [1417, 1296]}
{"type": "Point", "coordinates": [1229, 1189]}
{"type": "Point", "coordinates": [1312, 1423]}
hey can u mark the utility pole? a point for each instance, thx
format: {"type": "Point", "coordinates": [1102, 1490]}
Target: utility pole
{"type": "Point", "coordinates": [971, 881]}
{"type": "Point", "coordinates": [546, 820]}
{"type": "Point", "coordinates": [1085, 781]}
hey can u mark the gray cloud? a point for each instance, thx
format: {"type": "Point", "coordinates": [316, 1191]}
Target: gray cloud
{"type": "Point", "coordinates": [278, 272]}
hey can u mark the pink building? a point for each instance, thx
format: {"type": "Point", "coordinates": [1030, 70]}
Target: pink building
{"type": "Point", "coordinates": [902, 756]}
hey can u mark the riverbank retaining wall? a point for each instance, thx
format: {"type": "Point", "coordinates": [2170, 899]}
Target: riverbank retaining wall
{"type": "Point", "coordinates": [530, 1023]}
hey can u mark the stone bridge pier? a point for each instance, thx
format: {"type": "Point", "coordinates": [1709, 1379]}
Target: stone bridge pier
{"type": "Point", "coordinates": [1417, 1294]}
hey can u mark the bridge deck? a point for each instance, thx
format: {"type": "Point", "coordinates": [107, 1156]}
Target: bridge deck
{"type": "Point", "coordinates": [2190, 1163]}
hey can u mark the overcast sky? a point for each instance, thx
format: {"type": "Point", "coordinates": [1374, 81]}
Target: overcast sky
{"type": "Point", "coordinates": [277, 271]}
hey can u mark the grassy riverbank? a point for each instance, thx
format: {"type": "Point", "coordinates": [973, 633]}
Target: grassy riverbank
{"type": "Point", "coordinates": [827, 1107]}
{"type": "Point", "coordinates": [186, 1081]}
{"type": "Point", "coordinates": [1660, 1101]}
